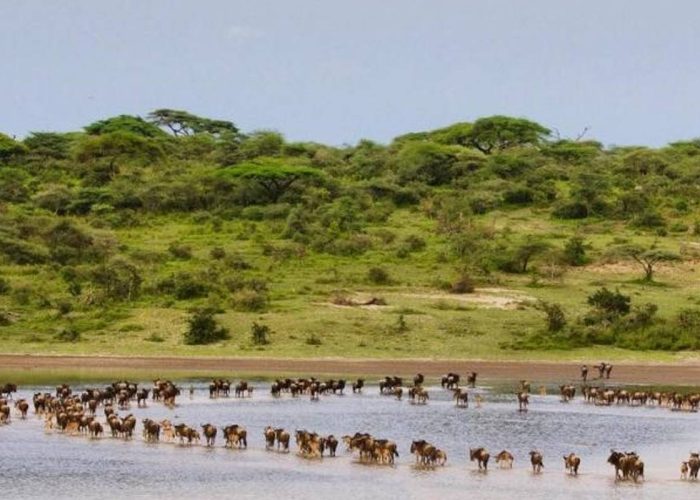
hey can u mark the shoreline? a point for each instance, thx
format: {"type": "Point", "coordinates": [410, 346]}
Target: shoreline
{"type": "Point", "coordinates": [541, 371]}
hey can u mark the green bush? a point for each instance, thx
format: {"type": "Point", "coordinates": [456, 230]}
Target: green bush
{"type": "Point", "coordinates": [249, 301]}
{"type": "Point", "coordinates": [378, 276]}
{"type": "Point", "coordinates": [68, 334]}
{"type": "Point", "coordinates": [260, 334]}
{"type": "Point", "coordinates": [202, 328]}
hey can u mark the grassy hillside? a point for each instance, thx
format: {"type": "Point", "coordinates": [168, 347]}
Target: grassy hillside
{"type": "Point", "coordinates": [110, 238]}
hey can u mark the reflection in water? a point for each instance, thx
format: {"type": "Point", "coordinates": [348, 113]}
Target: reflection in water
{"type": "Point", "coordinates": [37, 464]}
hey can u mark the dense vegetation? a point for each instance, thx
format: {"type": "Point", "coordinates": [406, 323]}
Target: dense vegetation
{"type": "Point", "coordinates": [164, 233]}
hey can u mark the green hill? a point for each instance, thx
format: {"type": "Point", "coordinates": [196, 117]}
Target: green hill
{"type": "Point", "coordinates": [486, 239]}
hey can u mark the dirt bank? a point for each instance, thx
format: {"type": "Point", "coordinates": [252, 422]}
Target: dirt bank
{"type": "Point", "coordinates": [684, 374]}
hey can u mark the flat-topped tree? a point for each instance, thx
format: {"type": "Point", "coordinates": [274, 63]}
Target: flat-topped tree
{"type": "Point", "coordinates": [503, 132]}
{"type": "Point", "coordinates": [274, 175]}
{"type": "Point", "coordinates": [181, 123]}
{"type": "Point", "coordinates": [647, 258]}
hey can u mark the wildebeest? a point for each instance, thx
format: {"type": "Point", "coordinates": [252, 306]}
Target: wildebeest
{"type": "Point", "coordinates": [8, 389]}
{"type": "Point", "coordinates": [471, 379]}
{"type": "Point", "coordinates": [389, 384]}
{"type": "Point", "coordinates": [358, 385]}
{"type": "Point", "coordinates": [523, 400]}
{"type": "Point", "coordinates": [23, 407]}
{"type": "Point", "coordinates": [310, 444]}
{"type": "Point", "coordinates": [185, 432]}
{"type": "Point", "coordinates": [141, 396]}
{"type": "Point", "coordinates": [236, 436]}
{"type": "Point", "coordinates": [537, 461]}
{"type": "Point", "coordinates": [481, 456]}
{"type": "Point", "coordinates": [371, 449]}
{"type": "Point", "coordinates": [450, 381]}
{"type": "Point", "coordinates": [209, 432]}
{"type": "Point", "coordinates": [418, 379]}
{"type": "Point", "coordinates": [418, 395]}
{"type": "Point", "coordinates": [584, 373]}
{"type": "Point", "coordinates": [568, 392]}
{"type": "Point", "coordinates": [572, 463]}
{"type": "Point", "coordinates": [461, 396]}
{"type": "Point", "coordinates": [331, 444]}
{"type": "Point", "coordinates": [505, 459]}
{"type": "Point", "coordinates": [693, 465]}
{"type": "Point", "coordinates": [95, 429]}
{"type": "Point", "coordinates": [627, 465]}
{"type": "Point", "coordinates": [151, 430]}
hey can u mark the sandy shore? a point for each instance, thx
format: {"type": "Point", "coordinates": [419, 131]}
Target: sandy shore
{"type": "Point", "coordinates": [682, 374]}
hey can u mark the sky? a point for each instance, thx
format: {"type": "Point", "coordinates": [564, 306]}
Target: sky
{"type": "Point", "coordinates": [338, 71]}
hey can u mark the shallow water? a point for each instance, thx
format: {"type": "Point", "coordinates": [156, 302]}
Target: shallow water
{"type": "Point", "coordinates": [40, 464]}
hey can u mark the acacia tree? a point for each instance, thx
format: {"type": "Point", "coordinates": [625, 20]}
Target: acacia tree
{"type": "Point", "coordinates": [183, 123]}
{"type": "Point", "coordinates": [125, 123]}
{"type": "Point", "coordinates": [273, 175]}
{"type": "Point", "coordinates": [647, 258]}
{"type": "Point", "coordinates": [503, 132]}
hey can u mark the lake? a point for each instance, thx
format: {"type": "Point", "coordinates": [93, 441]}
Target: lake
{"type": "Point", "coordinates": [37, 463]}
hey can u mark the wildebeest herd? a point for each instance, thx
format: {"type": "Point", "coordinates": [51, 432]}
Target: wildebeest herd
{"type": "Point", "coordinates": [77, 413]}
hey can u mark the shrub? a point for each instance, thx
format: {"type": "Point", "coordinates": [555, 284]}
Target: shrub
{"type": "Point", "coordinates": [613, 304]}
{"type": "Point", "coordinates": [575, 251]}
{"type": "Point", "coordinates": [64, 307]}
{"type": "Point", "coordinates": [571, 210]}
{"type": "Point", "coordinates": [259, 334]}
{"type": "Point", "coordinates": [463, 284]}
{"type": "Point", "coordinates": [249, 301]}
{"type": "Point", "coordinates": [217, 253]}
{"type": "Point", "coordinates": [183, 286]}
{"type": "Point", "coordinates": [313, 339]}
{"type": "Point", "coordinates": [556, 320]}
{"type": "Point", "coordinates": [68, 334]}
{"type": "Point", "coordinates": [183, 252]}
{"type": "Point", "coordinates": [4, 286]}
{"type": "Point", "coordinates": [202, 328]}
{"type": "Point", "coordinates": [378, 276]}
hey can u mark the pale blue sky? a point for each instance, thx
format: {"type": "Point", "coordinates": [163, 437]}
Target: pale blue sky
{"type": "Point", "coordinates": [337, 71]}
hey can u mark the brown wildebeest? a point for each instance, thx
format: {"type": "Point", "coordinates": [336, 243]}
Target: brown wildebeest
{"type": "Point", "coordinates": [608, 369]}
{"type": "Point", "coordinates": [437, 457]}
{"type": "Point", "coordinates": [282, 439]}
{"type": "Point", "coordinates": [4, 413]}
{"type": "Point", "coordinates": [694, 465]}
{"type": "Point", "coordinates": [423, 451]}
{"type": "Point", "coordinates": [584, 373]}
{"type": "Point", "coordinates": [627, 465]}
{"type": "Point", "coordinates": [23, 407]}
{"type": "Point", "coordinates": [536, 461]}
{"type": "Point", "coordinates": [684, 470]}
{"type": "Point", "coordinates": [505, 459]}
{"type": "Point", "coordinates": [358, 385]}
{"type": "Point", "coordinates": [418, 379]}
{"type": "Point", "coordinates": [8, 389]}
{"type": "Point", "coordinates": [419, 395]}
{"type": "Point", "coordinates": [572, 463]}
{"type": "Point", "coordinates": [151, 430]}
{"type": "Point", "coordinates": [183, 432]}
{"type": "Point", "coordinates": [523, 400]}
{"type": "Point", "coordinates": [142, 397]}
{"type": "Point", "coordinates": [481, 456]}
{"type": "Point", "coordinates": [461, 396]}
{"type": "Point", "coordinates": [236, 436]}
{"type": "Point", "coordinates": [95, 429]}
{"type": "Point", "coordinates": [270, 435]}
{"type": "Point", "coordinates": [398, 392]}
{"type": "Point", "coordinates": [568, 392]}
{"type": "Point", "coordinates": [209, 432]}
{"type": "Point", "coordinates": [601, 370]}
{"type": "Point", "coordinates": [331, 443]}
{"type": "Point", "coordinates": [311, 445]}
{"type": "Point", "coordinates": [450, 381]}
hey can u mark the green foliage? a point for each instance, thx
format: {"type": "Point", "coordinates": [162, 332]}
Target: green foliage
{"type": "Point", "coordinates": [10, 148]}
{"type": "Point", "coordinates": [575, 251]}
{"type": "Point", "coordinates": [378, 276]}
{"type": "Point", "coordinates": [125, 124]}
{"type": "Point", "coordinates": [183, 123]}
{"type": "Point", "coordinates": [68, 334]}
{"type": "Point", "coordinates": [427, 162]}
{"type": "Point", "coordinates": [48, 145]}
{"type": "Point", "coordinates": [611, 304]}
{"type": "Point", "coordinates": [502, 132]}
{"type": "Point", "coordinates": [274, 176]}
{"type": "Point", "coordinates": [555, 317]}
{"type": "Point", "coordinates": [647, 258]}
{"type": "Point", "coordinates": [202, 328]}
{"type": "Point", "coordinates": [260, 334]}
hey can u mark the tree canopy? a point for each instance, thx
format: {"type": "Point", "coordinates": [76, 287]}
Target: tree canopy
{"type": "Point", "coordinates": [274, 175]}
{"type": "Point", "coordinates": [181, 123]}
{"type": "Point", "coordinates": [503, 132]}
{"type": "Point", "coordinates": [125, 124]}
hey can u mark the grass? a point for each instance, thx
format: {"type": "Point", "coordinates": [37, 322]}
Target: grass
{"type": "Point", "coordinates": [438, 325]}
